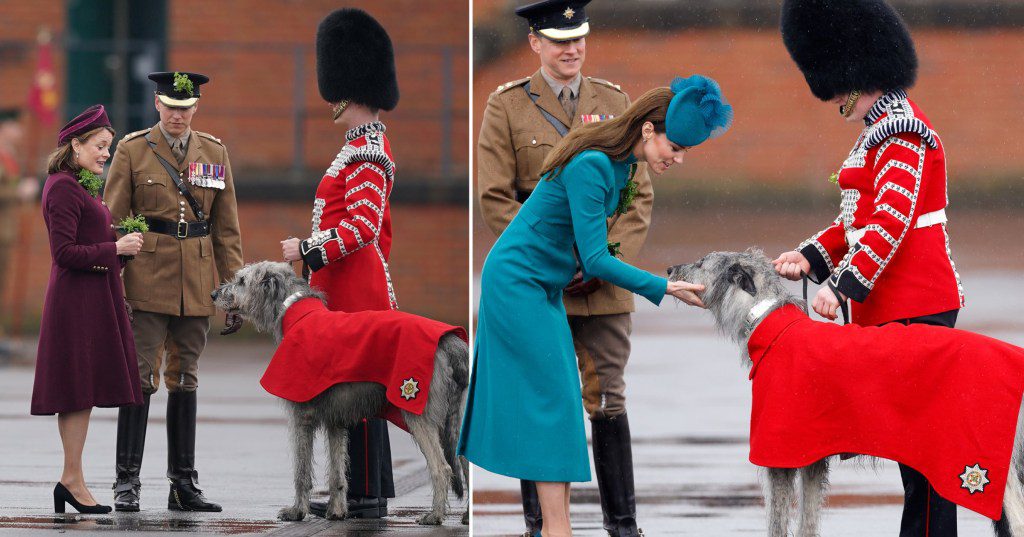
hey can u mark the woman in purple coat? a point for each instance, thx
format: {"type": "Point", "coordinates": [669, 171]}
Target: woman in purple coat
{"type": "Point", "coordinates": [86, 353]}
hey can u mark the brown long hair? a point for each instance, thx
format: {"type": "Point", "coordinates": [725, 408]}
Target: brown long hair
{"type": "Point", "coordinates": [616, 137]}
{"type": "Point", "coordinates": [62, 159]}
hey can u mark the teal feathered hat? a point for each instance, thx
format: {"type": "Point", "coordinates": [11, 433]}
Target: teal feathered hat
{"type": "Point", "coordinates": [698, 111]}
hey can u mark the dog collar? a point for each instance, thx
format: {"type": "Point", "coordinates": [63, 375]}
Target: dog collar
{"type": "Point", "coordinates": [293, 298]}
{"type": "Point", "coordinates": [758, 311]}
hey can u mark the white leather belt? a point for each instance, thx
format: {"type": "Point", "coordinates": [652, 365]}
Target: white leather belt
{"type": "Point", "coordinates": [925, 220]}
{"type": "Point", "coordinates": [932, 218]}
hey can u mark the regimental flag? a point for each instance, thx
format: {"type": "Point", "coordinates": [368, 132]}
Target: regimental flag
{"type": "Point", "coordinates": [594, 118]}
{"type": "Point", "coordinates": [42, 98]}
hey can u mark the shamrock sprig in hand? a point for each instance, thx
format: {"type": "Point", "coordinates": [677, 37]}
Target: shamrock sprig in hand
{"type": "Point", "coordinates": [136, 224]}
{"type": "Point", "coordinates": [129, 224]}
{"type": "Point", "coordinates": [90, 181]}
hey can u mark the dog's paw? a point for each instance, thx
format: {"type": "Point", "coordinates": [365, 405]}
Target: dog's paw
{"type": "Point", "coordinates": [465, 518]}
{"type": "Point", "coordinates": [431, 519]}
{"type": "Point", "coordinates": [291, 514]}
{"type": "Point", "coordinates": [339, 513]}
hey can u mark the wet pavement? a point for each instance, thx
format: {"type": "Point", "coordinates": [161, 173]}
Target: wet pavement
{"type": "Point", "coordinates": [242, 456]}
{"type": "Point", "coordinates": [689, 402]}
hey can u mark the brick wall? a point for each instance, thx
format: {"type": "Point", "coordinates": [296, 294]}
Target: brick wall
{"type": "Point", "coordinates": [969, 86]}
{"type": "Point", "coordinates": [488, 10]}
{"type": "Point", "coordinates": [19, 25]}
{"type": "Point", "coordinates": [251, 49]}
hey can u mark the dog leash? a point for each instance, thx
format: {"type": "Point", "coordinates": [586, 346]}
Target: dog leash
{"type": "Point", "coordinates": [305, 266]}
{"type": "Point", "coordinates": [842, 303]}
{"type": "Point", "coordinates": [807, 310]}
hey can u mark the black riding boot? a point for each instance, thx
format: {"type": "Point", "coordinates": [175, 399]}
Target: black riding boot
{"type": "Point", "coordinates": [181, 455]}
{"type": "Point", "coordinates": [531, 508]}
{"type": "Point", "coordinates": [613, 460]}
{"type": "Point", "coordinates": [131, 441]}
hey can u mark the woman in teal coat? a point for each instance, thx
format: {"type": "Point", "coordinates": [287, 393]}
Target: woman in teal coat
{"type": "Point", "coordinates": [524, 418]}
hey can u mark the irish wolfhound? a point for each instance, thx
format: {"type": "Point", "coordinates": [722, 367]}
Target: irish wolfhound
{"type": "Point", "coordinates": [261, 293]}
{"type": "Point", "coordinates": [741, 289]}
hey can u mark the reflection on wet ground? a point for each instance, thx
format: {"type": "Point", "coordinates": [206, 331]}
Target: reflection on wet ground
{"type": "Point", "coordinates": [134, 522]}
{"type": "Point", "coordinates": [399, 520]}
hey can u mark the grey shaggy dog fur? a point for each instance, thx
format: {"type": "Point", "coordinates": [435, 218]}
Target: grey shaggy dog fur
{"type": "Point", "coordinates": [736, 281]}
{"type": "Point", "coordinates": [258, 293]}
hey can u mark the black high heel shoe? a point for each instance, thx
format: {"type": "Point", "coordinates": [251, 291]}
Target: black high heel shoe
{"type": "Point", "coordinates": [62, 495]}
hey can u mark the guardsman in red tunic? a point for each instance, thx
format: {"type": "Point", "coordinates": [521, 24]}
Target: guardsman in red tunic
{"type": "Point", "coordinates": [352, 224]}
{"type": "Point", "coordinates": [350, 244]}
{"type": "Point", "coordinates": [888, 251]}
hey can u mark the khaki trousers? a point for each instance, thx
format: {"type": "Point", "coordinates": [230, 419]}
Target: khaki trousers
{"type": "Point", "coordinates": [180, 339]}
{"type": "Point", "coordinates": [602, 350]}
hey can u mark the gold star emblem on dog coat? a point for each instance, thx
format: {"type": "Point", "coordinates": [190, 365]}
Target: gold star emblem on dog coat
{"type": "Point", "coordinates": [410, 388]}
{"type": "Point", "coordinates": [568, 13]}
{"type": "Point", "coordinates": [974, 478]}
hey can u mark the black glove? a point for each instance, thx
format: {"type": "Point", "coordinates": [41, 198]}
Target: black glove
{"type": "Point", "coordinates": [232, 322]}
{"type": "Point", "coordinates": [130, 311]}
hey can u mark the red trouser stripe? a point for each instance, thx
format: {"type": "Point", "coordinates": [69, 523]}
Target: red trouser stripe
{"type": "Point", "coordinates": [928, 511]}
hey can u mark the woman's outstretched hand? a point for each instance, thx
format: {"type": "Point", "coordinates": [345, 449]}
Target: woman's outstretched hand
{"type": "Point", "coordinates": [130, 244]}
{"type": "Point", "coordinates": [687, 292]}
{"type": "Point", "coordinates": [792, 265]}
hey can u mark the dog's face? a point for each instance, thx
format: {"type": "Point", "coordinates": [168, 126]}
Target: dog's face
{"type": "Point", "coordinates": [254, 287]}
{"type": "Point", "coordinates": [726, 275]}
{"type": "Point", "coordinates": [734, 282]}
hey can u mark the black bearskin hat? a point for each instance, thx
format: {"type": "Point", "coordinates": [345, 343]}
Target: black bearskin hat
{"type": "Point", "coordinates": [847, 45]}
{"type": "Point", "coordinates": [355, 60]}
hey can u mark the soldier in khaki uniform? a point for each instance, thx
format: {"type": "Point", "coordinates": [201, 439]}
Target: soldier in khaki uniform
{"type": "Point", "coordinates": [169, 283]}
{"type": "Point", "coordinates": [523, 121]}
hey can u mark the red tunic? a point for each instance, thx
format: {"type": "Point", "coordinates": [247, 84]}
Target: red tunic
{"type": "Point", "coordinates": [322, 348]}
{"type": "Point", "coordinates": [941, 400]}
{"type": "Point", "coordinates": [351, 242]}
{"type": "Point", "coordinates": [888, 250]}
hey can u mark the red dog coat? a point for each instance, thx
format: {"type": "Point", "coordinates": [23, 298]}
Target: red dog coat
{"type": "Point", "coordinates": [940, 400]}
{"type": "Point", "coordinates": [321, 348]}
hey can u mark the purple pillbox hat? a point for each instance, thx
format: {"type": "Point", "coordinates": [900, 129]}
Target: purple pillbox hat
{"type": "Point", "coordinates": [92, 118]}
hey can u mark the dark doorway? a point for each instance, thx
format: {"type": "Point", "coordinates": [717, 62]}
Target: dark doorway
{"type": "Point", "coordinates": [111, 46]}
